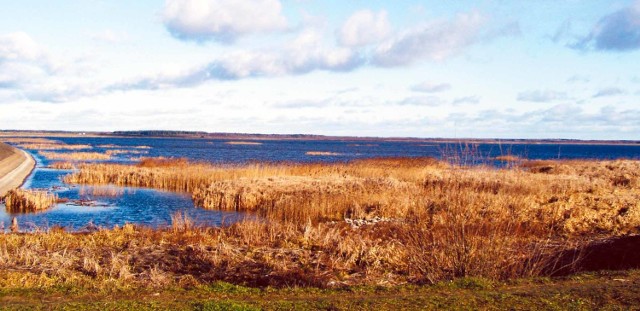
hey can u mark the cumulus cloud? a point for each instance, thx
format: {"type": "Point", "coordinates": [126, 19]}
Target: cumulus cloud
{"type": "Point", "coordinates": [221, 20]}
{"type": "Point", "coordinates": [28, 71]}
{"type": "Point", "coordinates": [304, 54]}
{"type": "Point", "coordinates": [434, 41]}
{"type": "Point", "coordinates": [541, 96]}
{"type": "Point", "coordinates": [430, 101]}
{"type": "Point", "coordinates": [22, 61]}
{"type": "Point", "coordinates": [618, 31]}
{"type": "Point", "coordinates": [364, 27]}
{"type": "Point", "coordinates": [429, 87]}
{"type": "Point", "coordinates": [610, 91]}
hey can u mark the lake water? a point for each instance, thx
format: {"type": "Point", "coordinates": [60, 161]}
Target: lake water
{"type": "Point", "coordinates": [120, 205]}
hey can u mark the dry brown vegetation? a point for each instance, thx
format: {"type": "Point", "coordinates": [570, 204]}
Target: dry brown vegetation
{"type": "Point", "coordinates": [321, 153]}
{"type": "Point", "coordinates": [243, 143]}
{"type": "Point", "coordinates": [74, 156]}
{"type": "Point", "coordinates": [53, 146]}
{"type": "Point", "coordinates": [37, 143]}
{"type": "Point", "coordinates": [62, 165]}
{"type": "Point", "coordinates": [24, 201]}
{"type": "Point", "coordinates": [28, 140]}
{"type": "Point", "coordinates": [113, 152]}
{"type": "Point", "coordinates": [439, 221]}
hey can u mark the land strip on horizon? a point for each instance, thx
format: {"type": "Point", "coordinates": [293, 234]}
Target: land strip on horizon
{"type": "Point", "coordinates": [313, 137]}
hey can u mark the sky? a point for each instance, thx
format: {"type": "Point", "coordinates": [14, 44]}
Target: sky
{"type": "Point", "coordinates": [431, 68]}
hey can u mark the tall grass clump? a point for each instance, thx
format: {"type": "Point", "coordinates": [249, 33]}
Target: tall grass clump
{"type": "Point", "coordinates": [24, 201]}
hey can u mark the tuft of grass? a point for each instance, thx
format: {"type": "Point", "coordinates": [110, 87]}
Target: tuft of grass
{"type": "Point", "coordinates": [24, 201]}
{"type": "Point", "coordinates": [62, 165]}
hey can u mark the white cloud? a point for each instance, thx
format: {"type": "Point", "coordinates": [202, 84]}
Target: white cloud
{"type": "Point", "coordinates": [22, 60]}
{"type": "Point", "coordinates": [434, 41]}
{"type": "Point", "coordinates": [221, 20]}
{"type": "Point", "coordinates": [430, 101]}
{"type": "Point", "coordinates": [28, 71]}
{"type": "Point", "coordinates": [364, 27]}
{"type": "Point", "coordinates": [430, 87]}
{"type": "Point", "coordinates": [304, 54]}
{"type": "Point", "coordinates": [110, 36]}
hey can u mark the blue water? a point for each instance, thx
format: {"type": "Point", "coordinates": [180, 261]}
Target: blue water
{"type": "Point", "coordinates": [217, 151]}
{"type": "Point", "coordinates": [154, 208]}
{"type": "Point", "coordinates": [112, 206]}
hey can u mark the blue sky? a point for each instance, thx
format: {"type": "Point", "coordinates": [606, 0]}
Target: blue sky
{"type": "Point", "coordinates": [476, 69]}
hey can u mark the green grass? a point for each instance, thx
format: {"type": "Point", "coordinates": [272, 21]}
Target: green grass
{"type": "Point", "coordinates": [618, 290]}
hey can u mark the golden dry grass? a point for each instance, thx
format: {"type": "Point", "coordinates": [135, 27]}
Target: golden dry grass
{"type": "Point", "coordinates": [243, 143]}
{"type": "Point", "coordinates": [114, 152]}
{"type": "Point", "coordinates": [62, 165]}
{"type": "Point", "coordinates": [28, 140]}
{"type": "Point", "coordinates": [321, 153]}
{"type": "Point", "coordinates": [53, 146]}
{"type": "Point", "coordinates": [508, 158]}
{"type": "Point", "coordinates": [74, 156]}
{"type": "Point", "coordinates": [24, 201]}
{"type": "Point", "coordinates": [439, 222]}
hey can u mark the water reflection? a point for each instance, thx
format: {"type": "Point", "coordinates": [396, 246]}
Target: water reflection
{"type": "Point", "coordinates": [108, 206]}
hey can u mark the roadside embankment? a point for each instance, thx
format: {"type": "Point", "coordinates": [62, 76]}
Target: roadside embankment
{"type": "Point", "coordinates": [15, 166]}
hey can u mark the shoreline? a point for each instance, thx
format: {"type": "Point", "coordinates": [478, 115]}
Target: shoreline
{"type": "Point", "coordinates": [15, 167]}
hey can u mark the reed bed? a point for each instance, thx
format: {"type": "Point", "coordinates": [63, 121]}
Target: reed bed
{"type": "Point", "coordinates": [440, 222]}
{"type": "Point", "coordinates": [74, 156]}
{"type": "Point", "coordinates": [243, 143]}
{"type": "Point", "coordinates": [62, 166]}
{"type": "Point", "coordinates": [570, 197]}
{"type": "Point", "coordinates": [26, 201]}
{"type": "Point", "coordinates": [322, 153]}
{"type": "Point", "coordinates": [114, 152]}
{"type": "Point", "coordinates": [54, 146]}
{"type": "Point", "coordinates": [101, 191]}
{"type": "Point", "coordinates": [29, 140]}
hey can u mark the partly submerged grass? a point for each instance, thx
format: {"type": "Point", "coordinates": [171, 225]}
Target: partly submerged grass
{"type": "Point", "coordinates": [24, 201]}
{"type": "Point", "coordinates": [74, 156]}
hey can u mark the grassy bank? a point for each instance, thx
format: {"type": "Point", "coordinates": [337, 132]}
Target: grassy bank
{"type": "Point", "coordinates": [595, 291]}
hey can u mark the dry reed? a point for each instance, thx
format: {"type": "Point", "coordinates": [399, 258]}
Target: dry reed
{"type": "Point", "coordinates": [24, 201]}
{"type": "Point", "coordinates": [62, 166]}
{"type": "Point", "coordinates": [114, 152]}
{"type": "Point", "coordinates": [243, 143]}
{"type": "Point", "coordinates": [53, 146]}
{"type": "Point", "coordinates": [321, 153]}
{"type": "Point", "coordinates": [445, 222]}
{"type": "Point", "coordinates": [74, 156]}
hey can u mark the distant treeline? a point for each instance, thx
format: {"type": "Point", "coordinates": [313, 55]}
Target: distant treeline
{"type": "Point", "coordinates": [158, 133]}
